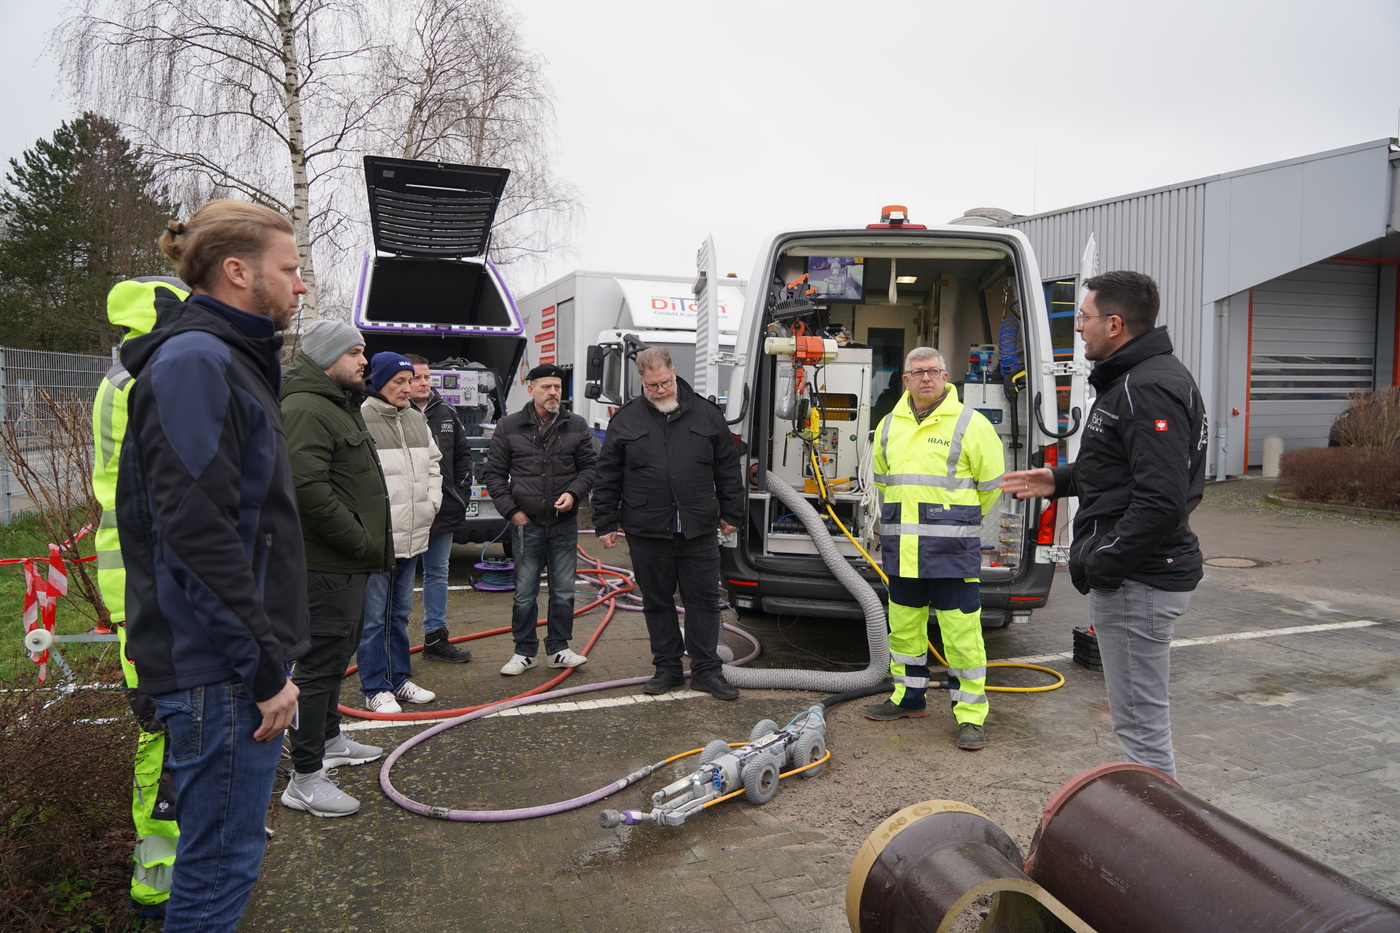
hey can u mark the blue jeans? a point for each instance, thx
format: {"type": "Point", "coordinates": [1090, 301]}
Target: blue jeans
{"type": "Point", "coordinates": [435, 560]}
{"type": "Point", "coordinates": [223, 780]}
{"type": "Point", "coordinates": [535, 547]}
{"type": "Point", "coordinates": [383, 651]}
{"type": "Point", "coordinates": [1134, 626]}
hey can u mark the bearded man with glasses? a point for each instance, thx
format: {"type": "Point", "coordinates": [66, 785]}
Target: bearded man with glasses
{"type": "Point", "coordinates": [669, 475]}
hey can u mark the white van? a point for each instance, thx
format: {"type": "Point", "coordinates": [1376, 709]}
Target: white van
{"type": "Point", "coordinates": [837, 310]}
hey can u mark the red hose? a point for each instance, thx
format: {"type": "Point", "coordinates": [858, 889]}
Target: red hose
{"type": "Point", "coordinates": [609, 597]}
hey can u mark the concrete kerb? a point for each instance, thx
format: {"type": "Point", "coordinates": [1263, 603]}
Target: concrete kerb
{"type": "Point", "coordinates": [1286, 502]}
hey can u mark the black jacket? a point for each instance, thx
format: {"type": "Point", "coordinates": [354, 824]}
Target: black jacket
{"type": "Point", "coordinates": [447, 429]}
{"type": "Point", "coordinates": [1140, 472]}
{"type": "Point", "coordinates": [527, 471]}
{"type": "Point", "coordinates": [655, 465]}
{"type": "Point", "coordinates": [215, 569]}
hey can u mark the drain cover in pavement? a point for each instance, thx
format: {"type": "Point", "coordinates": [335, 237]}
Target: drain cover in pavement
{"type": "Point", "coordinates": [1236, 563]}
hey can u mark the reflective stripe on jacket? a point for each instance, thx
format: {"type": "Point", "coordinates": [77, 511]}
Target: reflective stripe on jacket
{"type": "Point", "coordinates": [937, 478]}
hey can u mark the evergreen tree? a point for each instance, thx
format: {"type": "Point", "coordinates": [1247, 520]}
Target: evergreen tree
{"type": "Point", "coordinates": [78, 213]}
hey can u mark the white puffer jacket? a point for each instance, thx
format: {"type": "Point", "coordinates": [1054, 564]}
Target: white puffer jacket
{"type": "Point", "coordinates": [410, 459]}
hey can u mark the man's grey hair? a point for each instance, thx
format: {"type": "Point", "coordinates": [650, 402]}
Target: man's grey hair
{"type": "Point", "coordinates": [654, 358]}
{"type": "Point", "coordinates": [924, 353]}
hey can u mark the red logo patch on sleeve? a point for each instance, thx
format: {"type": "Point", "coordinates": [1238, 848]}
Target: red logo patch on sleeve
{"type": "Point", "coordinates": [1160, 424]}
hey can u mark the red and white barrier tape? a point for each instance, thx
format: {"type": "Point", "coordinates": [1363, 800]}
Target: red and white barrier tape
{"type": "Point", "coordinates": [41, 591]}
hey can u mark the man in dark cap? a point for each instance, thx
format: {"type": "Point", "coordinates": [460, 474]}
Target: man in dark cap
{"type": "Point", "coordinates": [540, 465]}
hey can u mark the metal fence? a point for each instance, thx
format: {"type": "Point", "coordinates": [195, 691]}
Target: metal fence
{"type": "Point", "coordinates": [25, 376]}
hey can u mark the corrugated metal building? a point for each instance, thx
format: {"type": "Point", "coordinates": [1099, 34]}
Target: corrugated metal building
{"type": "Point", "coordinates": [1278, 286]}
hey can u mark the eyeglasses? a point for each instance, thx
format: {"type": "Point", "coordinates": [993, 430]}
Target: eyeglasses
{"type": "Point", "coordinates": [658, 386]}
{"type": "Point", "coordinates": [925, 373]}
{"type": "Point", "coordinates": [1080, 317]}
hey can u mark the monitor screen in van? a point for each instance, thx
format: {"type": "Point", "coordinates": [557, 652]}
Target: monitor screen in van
{"type": "Point", "coordinates": [836, 278]}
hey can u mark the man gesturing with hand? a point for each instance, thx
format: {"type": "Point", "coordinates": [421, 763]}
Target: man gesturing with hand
{"type": "Point", "coordinates": [1140, 473]}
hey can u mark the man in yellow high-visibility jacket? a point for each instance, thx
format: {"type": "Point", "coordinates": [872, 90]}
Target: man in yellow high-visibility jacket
{"type": "Point", "coordinates": [131, 305]}
{"type": "Point", "coordinates": [937, 466]}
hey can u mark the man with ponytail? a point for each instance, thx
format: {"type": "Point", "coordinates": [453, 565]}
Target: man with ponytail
{"type": "Point", "coordinates": [212, 545]}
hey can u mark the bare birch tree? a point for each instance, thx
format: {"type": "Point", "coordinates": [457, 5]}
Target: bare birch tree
{"type": "Point", "coordinates": [460, 86]}
{"type": "Point", "coordinates": [275, 100]}
{"type": "Point", "coordinates": [254, 97]}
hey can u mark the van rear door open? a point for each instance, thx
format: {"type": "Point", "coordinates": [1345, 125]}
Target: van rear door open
{"type": "Point", "coordinates": [869, 296]}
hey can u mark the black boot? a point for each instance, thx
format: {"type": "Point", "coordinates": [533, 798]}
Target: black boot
{"type": "Point", "coordinates": [438, 648]}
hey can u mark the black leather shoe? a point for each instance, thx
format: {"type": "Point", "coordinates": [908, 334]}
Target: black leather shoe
{"type": "Point", "coordinates": [436, 647]}
{"type": "Point", "coordinates": [716, 686]}
{"type": "Point", "coordinates": [662, 683]}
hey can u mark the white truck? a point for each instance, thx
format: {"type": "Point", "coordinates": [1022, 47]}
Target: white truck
{"type": "Point", "coordinates": [602, 317]}
{"type": "Point", "coordinates": [830, 315]}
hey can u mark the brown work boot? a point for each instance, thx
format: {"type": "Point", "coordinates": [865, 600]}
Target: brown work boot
{"type": "Point", "coordinates": [971, 736]}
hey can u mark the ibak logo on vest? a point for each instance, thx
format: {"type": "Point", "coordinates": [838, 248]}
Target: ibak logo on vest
{"type": "Point", "coordinates": [938, 440]}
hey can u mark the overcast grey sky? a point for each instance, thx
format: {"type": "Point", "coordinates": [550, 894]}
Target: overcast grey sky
{"type": "Point", "coordinates": [678, 120]}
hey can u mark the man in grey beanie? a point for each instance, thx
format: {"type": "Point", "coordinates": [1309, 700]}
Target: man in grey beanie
{"type": "Point", "coordinates": [325, 341]}
{"type": "Point", "coordinates": [342, 500]}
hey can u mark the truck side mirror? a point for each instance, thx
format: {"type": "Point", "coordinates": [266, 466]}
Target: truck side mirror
{"type": "Point", "coordinates": [594, 373]}
{"type": "Point", "coordinates": [593, 390]}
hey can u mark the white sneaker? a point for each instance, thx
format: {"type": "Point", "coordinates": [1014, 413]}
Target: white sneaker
{"type": "Point", "coordinates": [346, 751]}
{"type": "Point", "coordinates": [317, 794]}
{"type": "Point", "coordinates": [567, 658]}
{"type": "Point", "coordinates": [383, 702]}
{"type": "Point", "coordinates": [413, 693]}
{"type": "Point", "coordinates": [518, 664]}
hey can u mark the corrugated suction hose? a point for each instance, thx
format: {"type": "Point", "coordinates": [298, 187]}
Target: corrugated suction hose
{"type": "Point", "coordinates": [875, 628]}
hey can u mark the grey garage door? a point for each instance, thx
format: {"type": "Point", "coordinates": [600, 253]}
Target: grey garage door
{"type": "Point", "coordinates": [1312, 343]}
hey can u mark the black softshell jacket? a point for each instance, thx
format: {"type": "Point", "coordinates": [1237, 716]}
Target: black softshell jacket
{"type": "Point", "coordinates": [1140, 472]}
{"type": "Point", "coordinates": [654, 466]}
{"type": "Point", "coordinates": [206, 503]}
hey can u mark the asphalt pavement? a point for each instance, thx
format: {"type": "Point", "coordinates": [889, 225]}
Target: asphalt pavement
{"type": "Point", "coordinates": [1286, 704]}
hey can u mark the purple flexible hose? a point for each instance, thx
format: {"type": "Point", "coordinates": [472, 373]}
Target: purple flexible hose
{"type": "Point", "coordinates": [500, 816]}
{"type": "Point", "coordinates": [526, 813]}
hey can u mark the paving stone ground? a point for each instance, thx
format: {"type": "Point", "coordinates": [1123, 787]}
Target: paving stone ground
{"type": "Point", "coordinates": [1296, 732]}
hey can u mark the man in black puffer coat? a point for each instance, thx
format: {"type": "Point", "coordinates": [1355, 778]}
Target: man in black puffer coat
{"type": "Point", "coordinates": [669, 475]}
{"type": "Point", "coordinates": [1140, 473]}
{"type": "Point", "coordinates": [540, 465]}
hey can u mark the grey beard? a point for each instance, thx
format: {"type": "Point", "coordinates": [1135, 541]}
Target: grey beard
{"type": "Point", "coordinates": [551, 406]}
{"type": "Point", "coordinates": [666, 407]}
